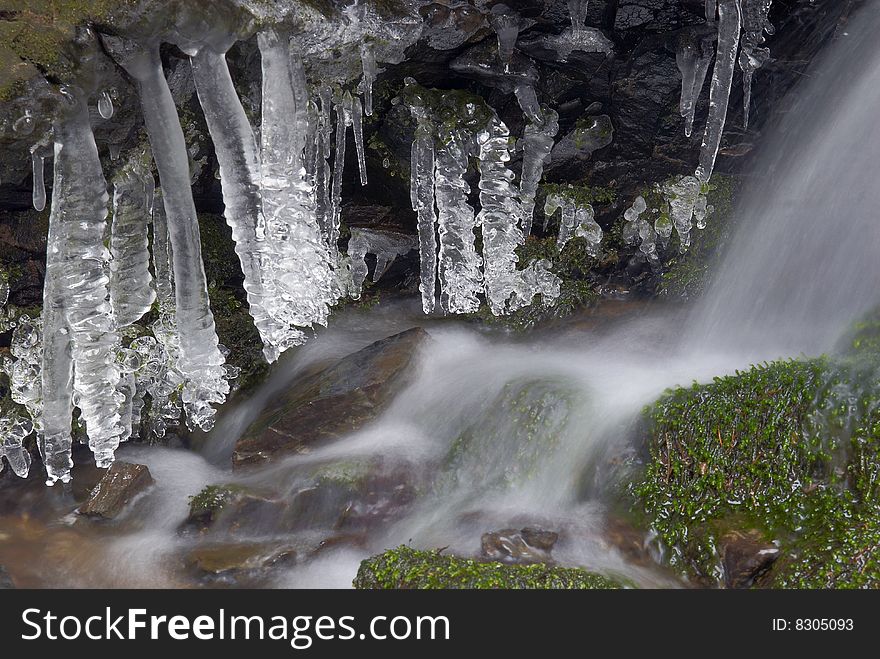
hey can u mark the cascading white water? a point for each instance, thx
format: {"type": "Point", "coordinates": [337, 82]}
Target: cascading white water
{"type": "Point", "coordinates": [803, 263]}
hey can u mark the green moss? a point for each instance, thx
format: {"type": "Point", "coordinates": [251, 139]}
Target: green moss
{"type": "Point", "coordinates": [406, 568]}
{"type": "Point", "coordinates": [389, 161]}
{"type": "Point", "coordinates": [207, 505]}
{"type": "Point", "coordinates": [789, 448]}
{"type": "Point", "coordinates": [581, 194]}
{"type": "Point", "coordinates": [454, 109]}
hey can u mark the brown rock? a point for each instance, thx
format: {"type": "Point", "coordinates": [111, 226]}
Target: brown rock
{"type": "Point", "coordinates": [6, 582]}
{"type": "Point", "coordinates": [238, 557]}
{"type": "Point", "coordinates": [336, 401]}
{"type": "Point", "coordinates": [745, 556]}
{"type": "Point", "coordinates": [119, 485]}
{"type": "Point", "coordinates": [519, 546]}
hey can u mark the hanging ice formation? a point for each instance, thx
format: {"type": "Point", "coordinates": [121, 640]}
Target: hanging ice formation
{"type": "Point", "coordinates": [505, 22]}
{"type": "Point", "coordinates": [693, 57]}
{"type": "Point", "coordinates": [579, 36]}
{"type": "Point", "coordinates": [386, 246]}
{"type": "Point", "coordinates": [463, 273]}
{"type": "Point", "coordinates": [575, 221]}
{"type": "Point", "coordinates": [752, 56]}
{"type": "Point", "coordinates": [537, 143]}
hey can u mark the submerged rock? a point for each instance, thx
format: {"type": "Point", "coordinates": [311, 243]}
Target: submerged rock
{"type": "Point", "coordinates": [336, 401]}
{"type": "Point", "coordinates": [407, 568]}
{"type": "Point", "coordinates": [239, 557]}
{"type": "Point", "coordinates": [122, 482]}
{"type": "Point", "coordinates": [522, 546]}
{"type": "Point", "coordinates": [745, 556]}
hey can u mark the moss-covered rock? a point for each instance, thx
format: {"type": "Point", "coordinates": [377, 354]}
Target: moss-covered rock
{"type": "Point", "coordinates": [789, 449]}
{"type": "Point", "coordinates": [407, 568]}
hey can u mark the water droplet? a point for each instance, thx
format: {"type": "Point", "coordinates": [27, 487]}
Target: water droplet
{"type": "Point", "coordinates": [105, 105]}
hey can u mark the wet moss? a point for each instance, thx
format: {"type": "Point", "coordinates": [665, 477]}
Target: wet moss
{"type": "Point", "coordinates": [207, 505]}
{"type": "Point", "coordinates": [789, 448]}
{"type": "Point", "coordinates": [407, 568]}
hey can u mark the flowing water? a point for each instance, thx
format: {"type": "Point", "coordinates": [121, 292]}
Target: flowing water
{"type": "Point", "coordinates": [548, 416]}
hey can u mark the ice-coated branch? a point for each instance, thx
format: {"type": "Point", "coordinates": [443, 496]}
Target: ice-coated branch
{"type": "Point", "coordinates": [722, 79]}
{"type": "Point", "coordinates": [131, 291]}
{"type": "Point", "coordinates": [239, 161]}
{"type": "Point", "coordinates": [199, 359]}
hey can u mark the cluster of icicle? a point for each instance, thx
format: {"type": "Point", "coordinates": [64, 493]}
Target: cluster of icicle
{"type": "Point", "coordinates": [440, 155]}
{"type": "Point", "coordinates": [738, 27]}
{"type": "Point", "coordinates": [283, 204]}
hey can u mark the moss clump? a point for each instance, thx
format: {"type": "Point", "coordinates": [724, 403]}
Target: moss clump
{"type": "Point", "coordinates": [581, 194]}
{"type": "Point", "coordinates": [407, 568]}
{"type": "Point", "coordinates": [789, 448]}
{"type": "Point", "coordinates": [454, 109]}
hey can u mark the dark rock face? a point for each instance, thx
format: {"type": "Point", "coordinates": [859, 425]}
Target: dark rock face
{"type": "Point", "coordinates": [524, 546]}
{"type": "Point", "coordinates": [122, 482]}
{"type": "Point", "coordinates": [745, 556]}
{"type": "Point", "coordinates": [333, 402]}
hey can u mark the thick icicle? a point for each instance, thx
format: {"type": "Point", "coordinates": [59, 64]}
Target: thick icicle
{"type": "Point", "coordinates": [459, 263]}
{"type": "Point", "coordinates": [239, 161]}
{"type": "Point", "coordinates": [693, 62]}
{"type": "Point", "coordinates": [505, 22]}
{"type": "Point", "coordinates": [722, 78]}
{"type": "Point", "coordinates": [371, 71]}
{"type": "Point", "coordinates": [301, 266]}
{"type": "Point", "coordinates": [199, 359]}
{"type": "Point", "coordinates": [537, 144]}
{"type": "Point", "coordinates": [131, 293]}
{"type": "Point", "coordinates": [422, 197]}
{"type": "Point", "coordinates": [357, 126]}
{"type": "Point", "coordinates": [39, 191]}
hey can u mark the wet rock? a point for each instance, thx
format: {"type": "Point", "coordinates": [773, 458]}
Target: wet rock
{"type": "Point", "coordinates": [332, 403]}
{"type": "Point", "coordinates": [523, 546]}
{"type": "Point", "coordinates": [5, 580]}
{"type": "Point", "coordinates": [233, 509]}
{"type": "Point", "coordinates": [238, 557]}
{"type": "Point", "coordinates": [745, 556]}
{"type": "Point", "coordinates": [122, 482]}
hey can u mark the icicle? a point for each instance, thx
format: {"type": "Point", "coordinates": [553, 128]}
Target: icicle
{"type": "Point", "coordinates": [537, 144]}
{"type": "Point", "coordinates": [588, 229]}
{"type": "Point", "coordinates": [239, 161]}
{"type": "Point", "coordinates": [199, 357]}
{"type": "Point", "coordinates": [301, 265]}
{"type": "Point", "coordinates": [358, 129]}
{"type": "Point", "coordinates": [422, 197]}
{"type": "Point", "coordinates": [722, 78]}
{"type": "Point", "coordinates": [711, 9]}
{"type": "Point", "coordinates": [131, 294]}
{"type": "Point", "coordinates": [39, 192]}
{"type": "Point", "coordinates": [577, 11]}
{"type": "Point", "coordinates": [568, 221]}
{"type": "Point", "coordinates": [682, 193]}
{"type": "Point", "coordinates": [371, 72]}
{"type": "Point", "coordinates": [105, 105]}
{"type": "Point", "coordinates": [459, 264]}
{"type": "Point", "coordinates": [752, 57]}
{"type": "Point", "coordinates": [343, 120]}
{"type": "Point", "coordinates": [631, 220]}
{"type": "Point", "coordinates": [693, 62]}
{"type": "Point", "coordinates": [322, 167]}
{"type": "Point", "coordinates": [505, 22]}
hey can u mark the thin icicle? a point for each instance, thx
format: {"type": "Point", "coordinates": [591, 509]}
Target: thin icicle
{"type": "Point", "coordinates": [752, 57]}
{"type": "Point", "coordinates": [722, 78]}
{"type": "Point", "coordinates": [711, 9]}
{"type": "Point", "coordinates": [537, 144]}
{"type": "Point", "coordinates": [693, 61]}
{"type": "Point", "coordinates": [239, 162]}
{"type": "Point", "coordinates": [588, 229]}
{"type": "Point", "coordinates": [358, 129]}
{"type": "Point", "coordinates": [39, 191]}
{"type": "Point", "coordinates": [199, 359]}
{"type": "Point", "coordinates": [422, 198]}
{"type": "Point", "coordinates": [131, 292]}
{"type": "Point", "coordinates": [324, 136]}
{"type": "Point", "coordinates": [371, 72]}
{"type": "Point", "coordinates": [459, 263]}
{"type": "Point", "coordinates": [505, 22]}
{"type": "Point", "coordinates": [343, 120]}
